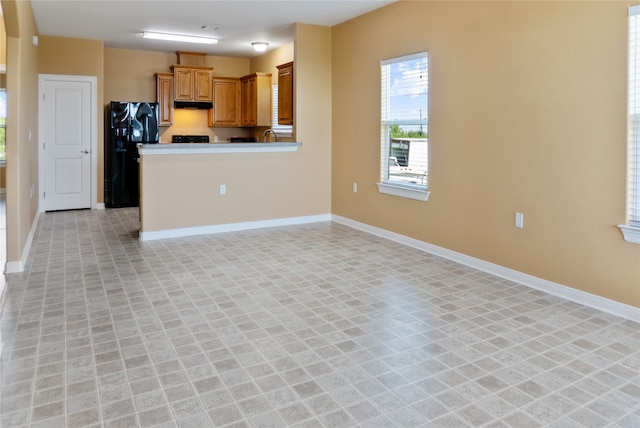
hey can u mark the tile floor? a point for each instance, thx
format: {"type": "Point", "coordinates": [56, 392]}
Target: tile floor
{"type": "Point", "coordinates": [309, 326]}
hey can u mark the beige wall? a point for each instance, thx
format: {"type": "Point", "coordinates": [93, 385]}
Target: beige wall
{"type": "Point", "coordinates": [182, 191]}
{"type": "Point", "coordinates": [3, 42]}
{"type": "Point", "coordinates": [267, 62]}
{"type": "Point", "coordinates": [22, 107]}
{"type": "Point", "coordinates": [3, 84]}
{"type": "Point", "coordinates": [79, 57]}
{"type": "Point", "coordinates": [312, 105]}
{"type": "Point", "coordinates": [129, 74]}
{"type": "Point", "coordinates": [527, 113]}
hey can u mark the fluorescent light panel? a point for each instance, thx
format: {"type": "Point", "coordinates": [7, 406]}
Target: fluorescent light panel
{"type": "Point", "coordinates": [179, 38]}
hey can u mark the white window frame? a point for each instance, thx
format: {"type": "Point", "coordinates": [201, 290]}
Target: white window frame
{"type": "Point", "coordinates": [280, 130]}
{"type": "Point", "coordinates": [387, 186]}
{"type": "Point", "coordinates": [631, 230]}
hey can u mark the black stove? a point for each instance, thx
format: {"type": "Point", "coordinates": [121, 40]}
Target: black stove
{"type": "Point", "coordinates": [190, 139]}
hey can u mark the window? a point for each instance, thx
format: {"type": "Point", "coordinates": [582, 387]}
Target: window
{"type": "Point", "coordinates": [631, 230]}
{"type": "Point", "coordinates": [280, 130]}
{"type": "Point", "coordinates": [404, 156]}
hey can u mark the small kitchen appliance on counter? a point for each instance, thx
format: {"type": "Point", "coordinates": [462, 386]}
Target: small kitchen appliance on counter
{"type": "Point", "coordinates": [242, 139]}
{"type": "Point", "coordinates": [181, 139]}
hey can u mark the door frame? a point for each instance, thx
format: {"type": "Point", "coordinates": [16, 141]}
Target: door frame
{"type": "Point", "coordinates": [93, 83]}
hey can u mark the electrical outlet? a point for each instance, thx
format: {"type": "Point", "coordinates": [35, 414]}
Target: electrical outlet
{"type": "Point", "coordinates": [223, 189]}
{"type": "Point", "coordinates": [519, 220]}
{"type": "Point", "coordinates": [355, 187]}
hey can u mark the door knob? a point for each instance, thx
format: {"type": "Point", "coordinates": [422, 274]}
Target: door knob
{"type": "Point", "coordinates": [86, 152]}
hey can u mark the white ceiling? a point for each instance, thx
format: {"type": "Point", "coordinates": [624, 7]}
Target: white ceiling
{"type": "Point", "coordinates": [236, 23]}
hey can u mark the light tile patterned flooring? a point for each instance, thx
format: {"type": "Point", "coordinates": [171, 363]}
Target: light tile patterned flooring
{"type": "Point", "coordinates": [308, 326]}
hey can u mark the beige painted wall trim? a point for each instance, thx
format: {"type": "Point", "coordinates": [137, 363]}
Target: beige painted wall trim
{"type": "Point", "coordinates": [232, 227]}
{"type": "Point", "coordinates": [574, 295]}
{"type": "Point", "coordinates": [15, 267]}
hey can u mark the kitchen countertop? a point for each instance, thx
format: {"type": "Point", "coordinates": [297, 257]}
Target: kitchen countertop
{"type": "Point", "coordinates": [213, 148]}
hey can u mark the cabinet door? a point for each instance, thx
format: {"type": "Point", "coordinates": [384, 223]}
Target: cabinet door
{"type": "Point", "coordinates": [164, 97]}
{"type": "Point", "coordinates": [202, 89]}
{"type": "Point", "coordinates": [249, 102]}
{"type": "Point", "coordinates": [285, 94]}
{"type": "Point", "coordinates": [183, 84]}
{"type": "Point", "coordinates": [226, 102]}
{"type": "Point", "coordinates": [263, 100]}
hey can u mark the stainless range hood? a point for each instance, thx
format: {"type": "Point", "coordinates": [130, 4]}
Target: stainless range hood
{"type": "Point", "coordinates": [193, 105]}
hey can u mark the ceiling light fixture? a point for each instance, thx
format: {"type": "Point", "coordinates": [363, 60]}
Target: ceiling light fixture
{"type": "Point", "coordinates": [179, 38]}
{"type": "Point", "coordinates": [260, 46]}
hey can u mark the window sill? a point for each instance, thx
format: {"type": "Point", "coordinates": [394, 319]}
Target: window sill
{"type": "Point", "coordinates": [404, 191]}
{"type": "Point", "coordinates": [630, 233]}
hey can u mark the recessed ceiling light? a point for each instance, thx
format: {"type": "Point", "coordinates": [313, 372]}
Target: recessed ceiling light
{"type": "Point", "coordinates": [260, 46]}
{"type": "Point", "coordinates": [179, 38]}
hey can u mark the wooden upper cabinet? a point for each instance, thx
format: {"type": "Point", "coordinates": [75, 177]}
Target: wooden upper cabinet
{"type": "Point", "coordinates": [192, 83]}
{"type": "Point", "coordinates": [226, 102]}
{"type": "Point", "coordinates": [164, 97]}
{"type": "Point", "coordinates": [285, 94]}
{"type": "Point", "coordinates": [256, 99]}
{"type": "Point", "coordinates": [248, 113]}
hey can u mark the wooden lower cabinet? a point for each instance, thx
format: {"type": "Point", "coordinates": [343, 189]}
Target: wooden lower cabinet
{"type": "Point", "coordinates": [226, 102]}
{"type": "Point", "coordinates": [164, 97]}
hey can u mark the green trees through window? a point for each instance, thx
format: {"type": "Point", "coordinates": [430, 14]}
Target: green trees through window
{"type": "Point", "coordinates": [396, 132]}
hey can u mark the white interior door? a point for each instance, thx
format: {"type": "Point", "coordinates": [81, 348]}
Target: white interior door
{"type": "Point", "coordinates": [67, 144]}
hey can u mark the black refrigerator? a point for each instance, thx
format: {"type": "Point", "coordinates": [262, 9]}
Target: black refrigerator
{"type": "Point", "coordinates": [128, 124]}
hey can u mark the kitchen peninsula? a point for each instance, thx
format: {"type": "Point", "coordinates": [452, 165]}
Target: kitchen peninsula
{"type": "Point", "coordinates": [207, 148]}
{"type": "Point", "coordinates": [193, 189]}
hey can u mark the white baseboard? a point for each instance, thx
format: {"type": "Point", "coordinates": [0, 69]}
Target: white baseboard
{"type": "Point", "coordinates": [100, 206]}
{"type": "Point", "coordinates": [231, 227]}
{"type": "Point", "coordinates": [587, 299]}
{"type": "Point", "coordinates": [18, 266]}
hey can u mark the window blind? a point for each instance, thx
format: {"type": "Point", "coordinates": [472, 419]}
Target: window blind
{"type": "Point", "coordinates": [281, 130]}
{"type": "Point", "coordinates": [633, 202]}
